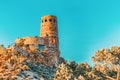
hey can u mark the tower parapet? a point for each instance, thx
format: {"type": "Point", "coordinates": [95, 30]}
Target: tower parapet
{"type": "Point", "coordinates": [48, 26]}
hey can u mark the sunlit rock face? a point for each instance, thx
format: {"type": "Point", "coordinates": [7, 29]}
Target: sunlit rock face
{"type": "Point", "coordinates": [47, 43]}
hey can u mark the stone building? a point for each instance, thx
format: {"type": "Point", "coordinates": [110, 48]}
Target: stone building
{"type": "Point", "coordinates": [47, 42]}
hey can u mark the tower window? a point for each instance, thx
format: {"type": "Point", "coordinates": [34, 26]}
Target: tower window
{"type": "Point", "coordinates": [46, 34]}
{"type": "Point", "coordinates": [45, 20]}
{"type": "Point", "coordinates": [50, 20]}
{"type": "Point", "coordinates": [42, 21]}
{"type": "Point", "coordinates": [54, 21]}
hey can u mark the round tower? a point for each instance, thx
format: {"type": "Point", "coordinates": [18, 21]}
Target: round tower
{"type": "Point", "coordinates": [49, 29]}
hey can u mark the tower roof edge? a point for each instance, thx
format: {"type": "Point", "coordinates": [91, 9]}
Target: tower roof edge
{"type": "Point", "coordinates": [49, 16]}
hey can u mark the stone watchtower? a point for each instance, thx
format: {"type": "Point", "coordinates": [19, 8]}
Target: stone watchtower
{"type": "Point", "coordinates": [49, 29]}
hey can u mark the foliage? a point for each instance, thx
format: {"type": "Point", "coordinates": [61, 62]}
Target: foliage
{"type": "Point", "coordinates": [107, 61]}
{"type": "Point", "coordinates": [14, 65]}
{"type": "Point", "coordinates": [63, 73]}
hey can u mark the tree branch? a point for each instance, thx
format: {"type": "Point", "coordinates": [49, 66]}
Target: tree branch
{"type": "Point", "coordinates": [110, 78]}
{"type": "Point", "coordinates": [118, 74]}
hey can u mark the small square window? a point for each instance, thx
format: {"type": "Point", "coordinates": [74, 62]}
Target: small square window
{"type": "Point", "coordinates": [54, 21]}
{"type": "Point", "coordinates": [50, 20]}
{"type": "Point", "coordinates": [41, 47]}
{"type": "Point", "coordinates": [27, 46]}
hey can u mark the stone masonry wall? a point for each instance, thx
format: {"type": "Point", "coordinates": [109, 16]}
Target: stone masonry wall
{"type": "Point", "coordinates": [49, 29]}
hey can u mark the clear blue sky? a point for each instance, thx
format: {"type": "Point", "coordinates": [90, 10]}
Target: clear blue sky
{"type": "Point", "coordinates": [85, 26]}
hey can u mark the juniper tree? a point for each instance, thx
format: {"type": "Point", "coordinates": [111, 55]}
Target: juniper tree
{"type": "Point", "coordinates": [107, 61]}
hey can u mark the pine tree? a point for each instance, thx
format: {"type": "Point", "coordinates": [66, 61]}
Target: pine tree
{"type": "Point", "coordinates": [107, 61]}
{"type": "Point", "coordinates": [63, 73]}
